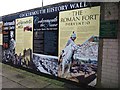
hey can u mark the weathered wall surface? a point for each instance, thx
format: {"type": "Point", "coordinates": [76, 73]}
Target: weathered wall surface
{"type": "Point", "coordinates": [109, 70]}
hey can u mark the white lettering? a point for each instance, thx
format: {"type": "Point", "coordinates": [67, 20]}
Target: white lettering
{"type": "Point", "coordinates": [54, 9]}
{"type": "Point", "coordinates": [66, 7]}
{"type": "Point", "coordinates": [72, 6]}
{"type": "Point", "coordinates": [9, 23]}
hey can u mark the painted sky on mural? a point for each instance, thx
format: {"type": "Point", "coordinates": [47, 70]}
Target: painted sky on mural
{"type": "Point", "coordinates": [13, 6]}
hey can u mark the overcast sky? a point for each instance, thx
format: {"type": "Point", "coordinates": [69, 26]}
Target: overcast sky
{"type": "Point", "coordinates": [13, 6]}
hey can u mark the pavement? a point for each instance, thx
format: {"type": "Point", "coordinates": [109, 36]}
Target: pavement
{"type": "Point", "coordinates": [17, 78]}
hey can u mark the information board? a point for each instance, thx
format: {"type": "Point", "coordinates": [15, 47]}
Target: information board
{"type": "Point", "coordinates": [50, 43]}
{"type": "Point", "coordinates": [78, 39]}
{"type": "Point", "coordinates": [108, 29]}
{"type": "Point", "coordinates": [46, 34]}
{"type": "Point", "coordinates": [24, 34]}
{"type": "Point", "coordinates": [38, 42]}
{"type": "Point", "coordinates": [8, 33]}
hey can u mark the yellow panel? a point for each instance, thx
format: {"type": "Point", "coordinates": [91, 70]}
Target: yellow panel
{"type": "Point", "coordinates": [24, 34]}
{"type": "Point", "coordinates": [84, 22]}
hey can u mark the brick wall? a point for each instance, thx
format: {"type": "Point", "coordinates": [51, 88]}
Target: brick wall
{"type": "Point", "coordinates": [109, 77]}
{"type": "Point", "coordinates": [109, 58]}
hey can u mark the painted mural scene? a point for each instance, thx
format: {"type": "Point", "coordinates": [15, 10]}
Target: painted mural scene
{"type": "Point", "coordinates": [79, 63]}
{"type": "Point", "coordinates": [17, 49]}
{"type": "Point", "coordinates": [62, 40]}
{"type": "Point", "coordinates": [78, 44]}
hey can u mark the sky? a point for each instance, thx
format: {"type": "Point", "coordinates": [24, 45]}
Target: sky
{"type": "Point", "coordinates": [13, 6]}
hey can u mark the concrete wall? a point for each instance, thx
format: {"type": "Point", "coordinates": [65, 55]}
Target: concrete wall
{"type": "Point", "coordinates": [0, 53]}
{"type": "Point", "coordinates": [119, 45]}
{"type": "Point", "coordinates": [109, 67]}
